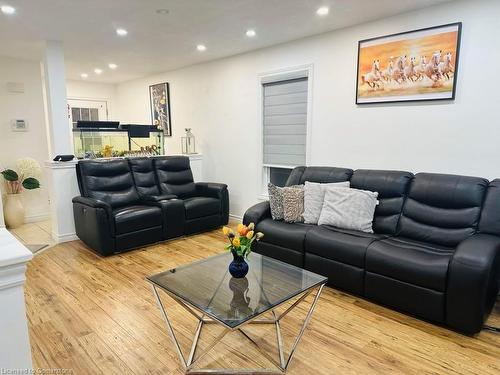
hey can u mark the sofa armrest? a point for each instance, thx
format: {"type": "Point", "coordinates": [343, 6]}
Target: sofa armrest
{"type": "Point", "coordinates": [91, 202]}
{"type": "Point", "coordinates": [174, 216]}
{"type": "Point", "coordinates": [219, 191]}
{"type": "Point", "coordinates": [157, 198]}
{"type": "Point", "coordinates": [94, 224]}
{"type": "Point", "coordinates": [473, 278]}
{"type": "Point", "coordinates": [210, 189]}
{"type": "Point", "coordinates": [257, 213]}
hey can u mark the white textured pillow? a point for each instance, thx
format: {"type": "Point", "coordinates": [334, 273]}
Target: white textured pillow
{"type": "Point", "coordinates": [314, 194]}
{"type": "Point", "coordinates": [349, 208]}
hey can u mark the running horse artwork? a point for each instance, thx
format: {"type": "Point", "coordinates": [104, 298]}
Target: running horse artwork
{"type": "Point", "coordinates": [410, 66]}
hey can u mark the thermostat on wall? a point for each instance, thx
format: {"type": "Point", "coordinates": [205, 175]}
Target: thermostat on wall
{"type": "Point", "coordinates": [19, 125]}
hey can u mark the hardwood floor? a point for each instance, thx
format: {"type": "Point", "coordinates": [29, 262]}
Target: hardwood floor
{"type": "Point", "coordinates": [97, 315]}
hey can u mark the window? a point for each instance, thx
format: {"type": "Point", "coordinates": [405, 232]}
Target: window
{"type": "Point", "coordinates": [285, 102]}
{"type": "Point", "coordinates": [84, 114]}
{"type": "Point", "coordinates": [87, 110]}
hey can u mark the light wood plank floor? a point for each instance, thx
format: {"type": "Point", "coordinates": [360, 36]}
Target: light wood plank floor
{"type": "Point", "coordinates": [97, 315]}
{"type": "Point", "coordinates": [34, 233]}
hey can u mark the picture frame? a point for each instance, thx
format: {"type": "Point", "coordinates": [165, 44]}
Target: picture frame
{"type": "Point", "coordinates": [411, 66]}
{"type": "Point", "coordinates": [159, 97]}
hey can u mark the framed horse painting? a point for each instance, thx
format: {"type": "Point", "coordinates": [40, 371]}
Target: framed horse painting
{"type": "Point", "coordinates": [159, 96]}
{"type": "Point", "coordinates": [411, 66]}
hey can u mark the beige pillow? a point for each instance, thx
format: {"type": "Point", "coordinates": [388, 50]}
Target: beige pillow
{"type": "Point", "coordinates": [314, 195]}
{"type": "Point", "coordinates": [293, 204]}
{"type": "Point", "coordinates": [276, 200]}
{"type": "Point", "coordinates": [349, 208]}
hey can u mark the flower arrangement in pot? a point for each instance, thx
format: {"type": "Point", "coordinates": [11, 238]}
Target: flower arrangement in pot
{"type": "Point", "coordinates": [15, 183]}
{"type": "Point", "coordinates": [240, 245]}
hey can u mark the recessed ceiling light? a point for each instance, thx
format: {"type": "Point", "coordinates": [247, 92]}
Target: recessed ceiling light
{"type": "Point", "coordinates": [250, 33]}
{"type": "Point", "coordinates": [323, 11]}
{"type": "Point", "coordinates": [162, 11]}
{"type": "Point", "coordinates": [112, 66]}
{"type": "Point", "coordinates": [97, 71]}
{"type": "Point", "coordinates": [121, 32]}
{"type": "Point", "coordinates": [84, 75]}
{"type": "Point", "coordinates": [7, 9]}
{"type": "Point", "coordinates": [201, 47]}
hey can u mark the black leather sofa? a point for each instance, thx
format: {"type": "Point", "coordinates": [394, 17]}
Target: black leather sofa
{"type": "Point", "coordinates": [127, 203]}
{"type": "Point", "coordinates": [434, 253]}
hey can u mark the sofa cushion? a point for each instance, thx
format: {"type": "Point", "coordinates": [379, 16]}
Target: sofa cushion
{"type": "Point", "coordinates": [442, 209]}
{"type": "Point", "coordinates": [144, 176]}
{"type": "Point", "coordinates": [283, 234]}
{"type": "Point", "coordinates": [349, 208]}
{"type": "Point", "coordinates": [134, 218]}
{"type": "Point", "coordinates": [410, 261]}
{"type": "Point", "coordinates": [201, 206]}
{"type": "Point", "coordinates": [110, 181]}
{"type": "Point", "coordinates": [342, 245]}
{"type": "Point", "coordinates": [392, 188]}
{"type": "Point", "coordinates": [490, 213]}
{"type": "Point", "coordinates": [300, 175]}
{"type": "Point", "coordinates": [174, 176]}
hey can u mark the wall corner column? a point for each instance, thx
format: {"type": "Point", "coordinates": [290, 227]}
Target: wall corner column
{"type": "Point", "coordinates": [59, 134]}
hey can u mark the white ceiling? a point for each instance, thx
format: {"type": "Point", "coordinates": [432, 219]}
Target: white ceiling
{"type": "Point", "coordinates": [157, 43]}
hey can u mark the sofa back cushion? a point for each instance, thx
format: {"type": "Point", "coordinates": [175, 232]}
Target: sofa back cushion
{"type": "Point", "coordinates": [107, 180]}
{"type": "Point", "coordinates": [175, 176]}
{"type": "Point", "coordinates": [392, 188]}
{"type": "Point", "coordinates": [300, 175]}
{"type": "Point", "coordinates": [144, 176]}
{"type": "Point", "coordinates": [442, 209]}
{"type": "Point", "coordinates": [490, 214]}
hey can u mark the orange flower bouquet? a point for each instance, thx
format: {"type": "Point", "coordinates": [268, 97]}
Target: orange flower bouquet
{"type": "Point", "coordinates": [240, 245]}
{"type": "Point", "coordinates": [240, 241]}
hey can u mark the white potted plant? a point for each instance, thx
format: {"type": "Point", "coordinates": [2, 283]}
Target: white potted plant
{"type": "Point", "coordinates": [15, 182]}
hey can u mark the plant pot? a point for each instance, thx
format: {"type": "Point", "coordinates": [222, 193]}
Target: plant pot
{"type": "Point", "coordinates": [13, 211]}
{"type": "Point", "coordinates": [238, 268]}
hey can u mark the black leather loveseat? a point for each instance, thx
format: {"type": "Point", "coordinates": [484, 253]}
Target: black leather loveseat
{"type": "Point", "coordinates": [434, 253]}
{"type": "Point", "coordinates": [126, 203]}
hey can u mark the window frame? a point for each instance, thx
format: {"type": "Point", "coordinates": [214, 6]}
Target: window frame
{"type": "Point", "coordinates": [277, 76]}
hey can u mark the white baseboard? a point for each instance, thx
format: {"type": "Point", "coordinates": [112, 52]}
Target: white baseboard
{"type": "Point", "coordinates": [236, 217]}
{"type": "Point", "coordinates": [36, 218]}
{"type": "Point", "coordinates": [59, 238]}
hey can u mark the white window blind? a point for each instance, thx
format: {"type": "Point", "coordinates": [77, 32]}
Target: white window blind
{"type": "Point", "coordinates": [285, 122]}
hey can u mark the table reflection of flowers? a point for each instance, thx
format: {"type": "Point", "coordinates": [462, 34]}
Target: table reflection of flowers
{"type": "Point", "coordinates": [240, 303]}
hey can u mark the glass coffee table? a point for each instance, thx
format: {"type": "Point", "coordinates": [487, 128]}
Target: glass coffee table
{"type": "Point", "coordinates": [206, 290]}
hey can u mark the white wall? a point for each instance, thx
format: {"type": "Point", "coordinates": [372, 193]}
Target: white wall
{"type": "Point", "coordinates": [16, 145]}
{"type": "Point", "coordinates": [94, 91]}
{"type": "Point", "coordinates": [221, 102]}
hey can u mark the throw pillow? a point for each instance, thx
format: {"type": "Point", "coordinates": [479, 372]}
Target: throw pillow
{"type": "Point", "coordinates": [349, 208]}
{"type": "Point", "coordinates": [293, 204]}
{"type": "Point", "coordinates": [275, 201]}
{"type": "Point", "coordinates": [314, 194]}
